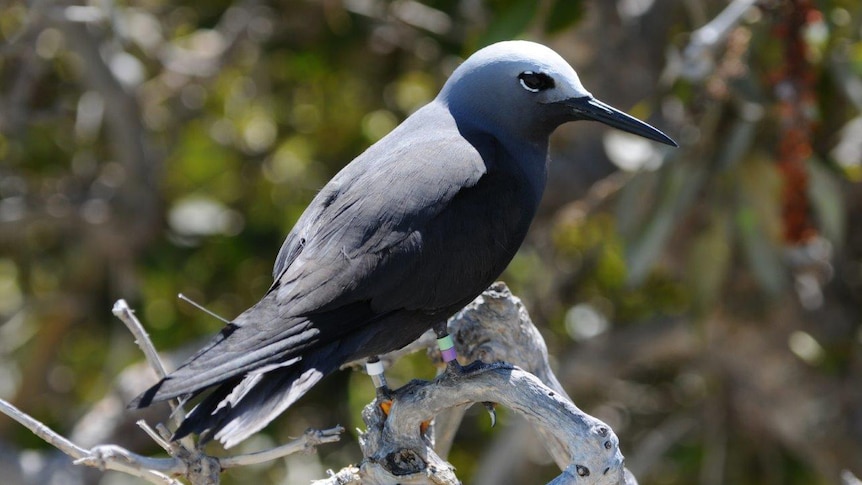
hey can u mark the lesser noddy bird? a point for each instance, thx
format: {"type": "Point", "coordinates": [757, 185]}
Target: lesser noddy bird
{"type": "Point", "coordinates": [399, 240]}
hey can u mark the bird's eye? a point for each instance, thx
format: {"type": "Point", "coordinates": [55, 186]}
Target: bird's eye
{"type": "Point", "coordinates": [535, 81]}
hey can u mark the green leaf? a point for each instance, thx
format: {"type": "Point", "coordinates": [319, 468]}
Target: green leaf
{"type": "Point", "coordinates": [563, 14]}
{"type": "Point", "coordinates": [678, 185]}
{"type": "Point", "coordinates": [511, 22]}
{"type": "Point", "coordinates": [637, 199]}
{"type": "Point", "coordinates": [762, 254]}
{"type": "Point", "coordinates": [824, 192]}
{"type": "Point", "coordinates": [709, 261]}
{"type": "Point", "coordinates": [759, 221]}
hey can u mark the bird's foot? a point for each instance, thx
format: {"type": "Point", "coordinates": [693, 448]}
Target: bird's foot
{"type": "Point", "coordinates": [424, 425]}
{"type": "Point", "coordinates": [385, 406]}
{"type": "Point", "coordinates": [385, 396]}
{"type": "Point", "coordinates": [454, 369]}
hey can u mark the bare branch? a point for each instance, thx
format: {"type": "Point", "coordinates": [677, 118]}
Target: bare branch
{"type": "Point", "coordinates": [346, 476]}
{"type": "Point", "coordinates": [186, 459]}
{"type": "Point", "coordinates": [107, 457]}
{"type": "Point", "coordinates": [495, 327]}
{"type": "Point", "coordinates": [698, 56]}
{"type": "Point", "coordinates": [308, 442]}
{"type": "Point", "coordinates": [848, 478]}
{"type": "Point", "coordinates": [122, 311]}
{"type": "Point", "coordinates": [114, 457]}
{"type": "Point", "coordinates": [42, 431]}
{"type": "Point", "coordinates": [154, 435]}
{"type": "Point", "coordinates": [196, 466]}
{"type": "Point", "coordinates": [199, 468]}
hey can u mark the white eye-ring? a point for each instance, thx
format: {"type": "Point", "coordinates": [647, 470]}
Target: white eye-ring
{"type": "Point", "coordinates": [524, 84]}
{"type": "Point", "coordinates": [535, 81]}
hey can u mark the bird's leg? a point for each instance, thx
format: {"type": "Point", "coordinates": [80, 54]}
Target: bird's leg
{"type": "Point", "coordinates": [450, 358]}
{"type": "Point", "coordinates": [375, 370]}
{"type": "Point", "coordinates": [447, 348]}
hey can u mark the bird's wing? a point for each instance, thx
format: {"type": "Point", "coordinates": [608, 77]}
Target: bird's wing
{"type": "Point", "coordinates": [365, 229]}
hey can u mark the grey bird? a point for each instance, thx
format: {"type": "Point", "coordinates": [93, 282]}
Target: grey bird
{"type": "Point", "coordinates": [399, 240]}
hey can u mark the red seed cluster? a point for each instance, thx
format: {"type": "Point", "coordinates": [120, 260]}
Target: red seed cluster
{"type": "Point", "coordinates": [797, 102]}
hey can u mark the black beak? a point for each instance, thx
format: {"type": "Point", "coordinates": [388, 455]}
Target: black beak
{"type": "Point", "coordinates": [590, 108]}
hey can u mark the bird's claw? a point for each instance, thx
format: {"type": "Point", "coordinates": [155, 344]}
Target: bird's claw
{"type": "Point", "coordinates": [423, 426]}
{"type": "Point", "coordinates": [492, 411]}
{"type": "Point", "coordinates": [385, 406]}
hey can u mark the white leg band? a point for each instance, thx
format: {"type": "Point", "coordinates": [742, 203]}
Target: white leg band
{"type": "Point", "coordinates": [374, 368]}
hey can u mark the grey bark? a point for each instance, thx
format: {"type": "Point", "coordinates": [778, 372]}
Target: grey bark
{"type": "Point", "coordinates": [494, 328]}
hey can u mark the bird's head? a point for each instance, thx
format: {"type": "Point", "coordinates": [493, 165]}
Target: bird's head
{"type": "Point", "coordinates": [524, 89]}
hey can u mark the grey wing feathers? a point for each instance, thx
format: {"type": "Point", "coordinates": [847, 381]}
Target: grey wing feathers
{"type": "Point", "coordinates": [394, 187]}
{"type": "Point", "coordinates": [346, 245]}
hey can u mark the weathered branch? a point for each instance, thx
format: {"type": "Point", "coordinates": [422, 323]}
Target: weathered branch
{"type": "Point", "coordinates": [493, 328]}
{"type": "Point", "coordinates": [308, 442]}
{"type": "Point", "coordinates": [396, 450]}
{"type": "Point", "coordinates": [122, 311]}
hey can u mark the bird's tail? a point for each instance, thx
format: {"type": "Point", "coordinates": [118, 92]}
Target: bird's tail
{"type": "Point", "coordinates": [242, 406]}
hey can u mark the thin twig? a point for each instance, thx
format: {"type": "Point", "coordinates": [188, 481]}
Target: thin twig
{"type": "Point", "coordinates": [154, 435]}
{"type": "Point", "coordinates": [309, 440]}
{"type": "Point", "coordinates": [345, 476]}
{"type": "Point", "coordinates": [42, 431]}
{"type": "Point", "coordinates": [118, 458]}
{"type": "Point", "coordinates": [108, 457]}
{"type": "Point", "coordinates": [697, 59]}
{"type": "Point", "coordinates": [122, 311]}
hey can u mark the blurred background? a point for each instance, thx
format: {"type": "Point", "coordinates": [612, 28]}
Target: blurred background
{"type": "Point", "coordinates": [706, 301]}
